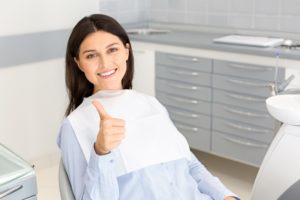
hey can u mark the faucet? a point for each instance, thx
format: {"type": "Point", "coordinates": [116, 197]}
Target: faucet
{"type": "Point", "coordinates": [278, 89]}
{"type": "Point", "coordinates": [274, 88]}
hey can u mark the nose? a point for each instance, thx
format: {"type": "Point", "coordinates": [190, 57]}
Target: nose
{"type": "Point", "coordinates": [104, 62]}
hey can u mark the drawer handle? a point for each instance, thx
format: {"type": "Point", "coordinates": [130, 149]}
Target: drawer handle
{"type": "Point", "coordinates": [184, 114]}
{"type": "Point", "coordinates": [181, 100]}
{"type": "Point", "coordinates": [182, 58]}
{"type": "Point", "coordinates": [247, 128]}
{"type": "Point", "coordinates": [10, 191]}
{"type": "Point", "coordinates": [194, 129]}
{"type": "Point", "coordinates": [179, 86]}
{"type": "Point", "coordinates": [185, 73]}
{"type": "Point", "coordinates": [246, 98]}
{"type": "Point", "coordinates": [248, 114]}
{"type": "Point", "coordinates": [252, 68]}
{"type": "Point", "coordinates": [246, 143]}
{"type": "Point", "coordinates": [246, 83]}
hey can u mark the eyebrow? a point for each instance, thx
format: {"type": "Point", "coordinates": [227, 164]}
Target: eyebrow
{"type": "Point", "coordinates": [108, 46]}
{"type": "Point", "coordinates": [112, 44]}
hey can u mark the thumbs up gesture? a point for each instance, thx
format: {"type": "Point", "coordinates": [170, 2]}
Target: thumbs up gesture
{"type": "Point", "coordinates": [111, 133]}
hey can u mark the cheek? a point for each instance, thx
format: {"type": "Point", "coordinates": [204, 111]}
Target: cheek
{"type": "Point", "coordinates": [89, 73]}
{"type": "Point", "coordinates": [121, 61]}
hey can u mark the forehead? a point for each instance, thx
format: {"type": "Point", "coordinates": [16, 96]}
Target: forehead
{"type": "Point", "coordinates": [99, 39]}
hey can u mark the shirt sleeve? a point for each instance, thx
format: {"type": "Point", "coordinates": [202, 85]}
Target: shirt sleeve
{"type": "Point", "coordinates": [89, 181]}
{"type": "Point", "coordinates": [207, 183]}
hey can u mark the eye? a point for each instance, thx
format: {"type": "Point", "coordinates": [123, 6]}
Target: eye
{"type": "Point", "coordinates": [112, 50]}
{"type": "Point", "coordinates": [91, 55]}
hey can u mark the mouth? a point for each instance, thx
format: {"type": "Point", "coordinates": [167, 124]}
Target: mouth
{"type": "Point", "coordinates": [107, 74]}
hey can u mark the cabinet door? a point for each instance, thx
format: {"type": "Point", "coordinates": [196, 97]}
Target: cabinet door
{"type": "Point", "coordinates": [144, 72]}
{"type": "Point", "coordinates": [197, 137]}
{"type": "Point", "coordinates": [259, 72]}
{"type": "Point", "coordinates": [238, 148]}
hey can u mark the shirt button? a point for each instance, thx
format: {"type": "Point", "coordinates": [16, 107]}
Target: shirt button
{"type": "Point", "coordinates": [111, 161]}
{"type": "Point", "coordinates": [171, 183]}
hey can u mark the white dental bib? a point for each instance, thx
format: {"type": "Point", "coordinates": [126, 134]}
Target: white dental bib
{"type": "Point", "coordinates": [150, 136]}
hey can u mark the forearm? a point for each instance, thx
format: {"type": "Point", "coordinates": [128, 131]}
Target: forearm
{"type": "Point", "coordinates": [92, 180]}
{"type": "Point", "coordinates": [100, 180]}
{"type": "Point", "coordinates": [207, 183]}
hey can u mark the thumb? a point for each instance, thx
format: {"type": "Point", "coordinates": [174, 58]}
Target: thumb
{"type": "Point", "coordinates": [100, 109]}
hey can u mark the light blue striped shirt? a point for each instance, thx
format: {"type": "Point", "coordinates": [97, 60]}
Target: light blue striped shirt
{"type": "Point", "coordinates": [177, 180]}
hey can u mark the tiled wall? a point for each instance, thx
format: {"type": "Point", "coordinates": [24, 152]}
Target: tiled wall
{"type": "Point", "coordinates": [265, 15]}
{"type": "Point", "coordinates": [126, 11]}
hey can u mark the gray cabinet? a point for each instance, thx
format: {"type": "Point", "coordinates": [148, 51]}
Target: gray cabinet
{"type": "Point", "coordinates": [182, 84]}
{"type": "Point", "coordinates": [242, 129]}
{"type": "Point", "coordinates": [218, 106]}
{"type": "Point", "coordinates": [17, 177]}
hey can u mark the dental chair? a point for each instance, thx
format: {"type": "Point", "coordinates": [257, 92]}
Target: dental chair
{"type": "Point", "coordinates": [64, 183]}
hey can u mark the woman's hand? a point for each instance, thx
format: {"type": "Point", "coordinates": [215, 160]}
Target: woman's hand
{"type": "Point", "coordinates": [111, 133]}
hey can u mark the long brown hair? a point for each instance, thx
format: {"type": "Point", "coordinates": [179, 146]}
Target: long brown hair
{"type": "Point", "coordinates": [78, 86]}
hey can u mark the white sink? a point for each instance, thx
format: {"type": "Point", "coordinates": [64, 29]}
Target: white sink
{"type": "Point", "coordinates": [285, 108]}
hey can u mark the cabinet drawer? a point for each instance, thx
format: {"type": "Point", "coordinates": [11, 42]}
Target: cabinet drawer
{"type": "Point", "coordinates": [243, 129]}
{"type": "Point", "coordinates": [184, 89]}
{"type": "Point", "coordinates": [244, 115]}
{"type": "Point", "coordinates": [238, 148]}
{"type": "Point", "coordinates": [184, 75]}
{"type": "Point", "coordinates": [248, 71]}
{"type": "Point", "coordinates": [184, 62]}
{"type": "Point", "coordinates": [189, 117]}
{"type": "Point", "coordinates": [243, 100]}
{"type": "Point", "coordinates": [184, 103]}
{"type": "Point", "coordinates": [245, 86]}
{"type": "Point", "coordinates": [22, 188]}
{"type": "Point", "coordinates": [197, 138]}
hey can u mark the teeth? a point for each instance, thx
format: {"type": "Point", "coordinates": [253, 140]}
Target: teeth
{"type": "Point", "coordinates": [107, 73]}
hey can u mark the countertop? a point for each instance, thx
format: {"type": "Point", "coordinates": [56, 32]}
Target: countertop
{"type": "Point", "coordinates": [204, 40]}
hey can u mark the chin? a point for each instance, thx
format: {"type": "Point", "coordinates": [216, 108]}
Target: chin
{"type": "Point", "coordinates": [111, 88]}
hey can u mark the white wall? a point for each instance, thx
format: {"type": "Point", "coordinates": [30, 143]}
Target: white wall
{"type": "Point", "coordinates": [32, 105]}
{"type": "Point", "coordinates": [29, 16]}
{"type": "Point", "coordinates": [33, 95]}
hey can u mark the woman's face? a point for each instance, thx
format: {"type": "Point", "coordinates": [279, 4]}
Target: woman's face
{"type": "Point", "coordinates": [102, 58]}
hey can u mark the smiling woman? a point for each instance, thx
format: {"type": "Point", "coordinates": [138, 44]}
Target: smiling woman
{"type": "Point", "coordinates": [102, 58]}
{"type": "Point", "coordinates": [97, 54]}
{"type": "Point", "coordinates": [117, 143]}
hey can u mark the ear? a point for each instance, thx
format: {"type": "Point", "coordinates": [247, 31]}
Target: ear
{"type": "Point", "coordinates": [77, 62]}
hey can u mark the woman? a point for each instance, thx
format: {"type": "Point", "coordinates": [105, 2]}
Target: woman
{"type": "Point", "coordinates": [107, 161]}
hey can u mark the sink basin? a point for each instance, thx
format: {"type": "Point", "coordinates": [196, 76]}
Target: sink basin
{"type": "Point", "coordinates": [285, 108]}
{"type": "Point", "coordinates": [146, 31]}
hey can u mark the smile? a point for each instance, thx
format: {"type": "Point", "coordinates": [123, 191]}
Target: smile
{"type": "Point", "coordinates": [107, 74]}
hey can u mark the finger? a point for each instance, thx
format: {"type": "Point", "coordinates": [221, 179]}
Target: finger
{"type": "Point", "coordinates": [100, 109]}
{"type": "Point", "coordinates": [116, 143]}
{"type": "Point", "coordinates": [113, 122]}
{"type": "Point", "coordinates": [116, 131]}
{"type": "Point", "coordinates": [116, 138]}
{"type": "Point", "coordinates": [113, 131]}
